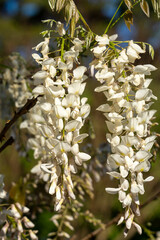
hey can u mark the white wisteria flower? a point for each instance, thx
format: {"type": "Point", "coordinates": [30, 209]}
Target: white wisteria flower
{"type": "Point", "coordinates": [129, 120]}
{"type": "Point", "coordinates": [55, 122]}
{"type": "Point", "coordinates": [17, 79]}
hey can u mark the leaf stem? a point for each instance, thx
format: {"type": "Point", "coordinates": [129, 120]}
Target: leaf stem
{"type": "Point", "coordinates": [124, 14]}
{"type": "Point", "coordinates": [113, 17]}
{"type": "Point", "coordinates": [62, 49]}
{"type": "Point", "coordinates": [84, 21]}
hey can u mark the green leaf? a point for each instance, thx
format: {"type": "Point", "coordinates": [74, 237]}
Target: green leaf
{"type": "Point", "coordinates": [128, 4]}
{"type": "Point", "coordinates": [60, 4]}
{"type": "Point", "coordinates": [52, 4]}
{"type": "Point", "coordinates": [145, 7]}
{"type": "Point", "coordinates": [128, 18]}
{"type": "Point", "coordinates": [144, 46]}
{"type": "Point", "coordinates": [156, 7]}
{"type": "Point", "coordinates": [151, 51]}
{"type": "Point", "coordinates": [88, 39]}
{"type": "Point", "coordinates": [68, 12]}
{"type": "Point", "coordinates": [72, 27]}
{"type": "Point", "coordinates": [44, 33]}
{"type": "Point", "coordinates": [71, 11]}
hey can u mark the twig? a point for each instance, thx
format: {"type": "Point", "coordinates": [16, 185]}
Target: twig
{"type": "Point", "coordinates": [124, 14]}
{"type": "Point", "coordinates": [29, 104]}
{"type": "Point", "coordinates": [116, 218]}
{"type": "Point", "coordinates": [84, 21]}
{"type": "Point", "coordinates": [97, 231]}
{"type": "Point", "coordinates": [7, 143]}
{"type": "Point", "coordinates": [113, 17]}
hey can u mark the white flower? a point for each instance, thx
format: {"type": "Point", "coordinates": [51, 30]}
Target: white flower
{"type": "Point", "coordinates": [128, 121]}
{"type": "Point", "coordinates": [60, 29]}
{"type": "Point", "coordinates": [56, 121]}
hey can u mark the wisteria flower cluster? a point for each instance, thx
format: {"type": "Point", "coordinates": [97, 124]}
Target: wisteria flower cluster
{"type": "Point", "coordinates": [54, 127]}
{"type": "Point", "coordinates": [15, 225]}
{"type": "Point", "coordinates": [128, 119]}
{"type": "Point", "coordinates": [58, 117]}
{"type": "Point", "coordinates": [17, 79]}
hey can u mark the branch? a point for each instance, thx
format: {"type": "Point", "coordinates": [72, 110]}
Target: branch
{"type": "Point", "coordinates": [116, 218]}
{"type": "Point", "coordinates": [97, 231]}
{"type": "Point", "coordinates": [29, 104]}
{"type": "Point", "coordinates": [7, 143]}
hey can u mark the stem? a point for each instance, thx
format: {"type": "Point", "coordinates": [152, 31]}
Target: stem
{"type": "Point", "coordinates": [84, 21]}
{"type": "Point", "coordinates": [72, 27]}
{"type": "Point", "coordinates": [62, 49]}
{"type": "Point", "coordinates": [113, 17]}
{"type": "Point", "coordinates": [4, 204]}
{"type": "Point", "coordinates": [124, 13]}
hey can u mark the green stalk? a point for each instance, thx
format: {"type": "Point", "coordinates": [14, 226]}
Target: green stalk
{"type": "Point", "coordinates": [62, 49]}
{"type": "Point", "coordinates": [84, 21]}
{"type": "Point", "coordinates": [124, 13]}
{"type": "Point", "coordinates": [113, 17]}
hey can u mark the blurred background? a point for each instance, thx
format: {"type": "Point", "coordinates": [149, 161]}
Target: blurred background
{"type": "Point", "coordinates": [20, 27]}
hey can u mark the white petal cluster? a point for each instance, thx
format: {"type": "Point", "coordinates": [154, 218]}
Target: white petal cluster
{"type": "Point", "coordinates": [3, 193]}
{"type": "Point", "coordinates": [128, 119]}
{"type": "Point", "coordinates": [12, 220]}
{"type": "Point", "coordinates": [17, 79]}
{"type": "Point", "coordinates": [56, 120]}
{"type": "Point", "coordinates": [19, 225]}
{"type": "Point", "coordinates": [158, 235]}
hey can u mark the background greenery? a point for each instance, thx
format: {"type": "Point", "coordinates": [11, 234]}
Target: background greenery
{"type": "Point", "coordinates": [20, 25]}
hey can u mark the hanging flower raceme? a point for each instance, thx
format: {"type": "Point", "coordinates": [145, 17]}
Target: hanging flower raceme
{"type": "Point", "coordinates": [16, 77]}
{"type": "Point", "coordinates": [128, 120]}
{"type": "Point", "coordinates": [14, 224]}
{"type": "Point", "coordinates": [18, 225]}
{"type": "Point", "coordinates": [58, 118]}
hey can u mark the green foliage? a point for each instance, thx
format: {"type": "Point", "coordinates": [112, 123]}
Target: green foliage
{"type": "Point", "coordinates": [150, 48]}
{"type": "Point", "coordinates": [69, 7]}
{"type": "Point", "coordinates": [128, 18]}
{"type": "Point", "coordinates": [145, 7]}
{"type": "Point", "coordinates": [156, 7]}
{"type": "Point", "coordinates": [128, 4]}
